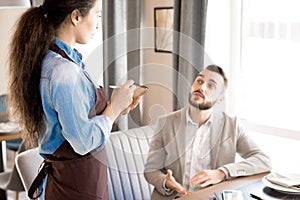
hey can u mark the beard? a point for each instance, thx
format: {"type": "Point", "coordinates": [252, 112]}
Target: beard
{"type": "Point", "coordinates": [201, 106]}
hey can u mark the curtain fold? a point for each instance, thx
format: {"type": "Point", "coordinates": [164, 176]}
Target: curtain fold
{"type": "Point", "coordinates": [133, 55]}
{"type": "Point", "coordinates": [121, 23]}
{"type": "Point", "coordinates": [188, 46]}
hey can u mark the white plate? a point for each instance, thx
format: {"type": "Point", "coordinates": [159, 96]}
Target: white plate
{"type": "Point", "coordinates": [280, 188]}
{"type": "Point", "coordinates": [9, 127]}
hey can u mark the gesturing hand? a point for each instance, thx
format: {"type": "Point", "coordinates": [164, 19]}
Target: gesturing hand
{"type": "Point", "coordinates": [171, 183]}
{"type": "Point", "coordinates": [207, 177]}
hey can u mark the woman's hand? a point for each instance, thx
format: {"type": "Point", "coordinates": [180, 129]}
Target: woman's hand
{"type": "Point", "coordinates": [132, 106]}
{"type": "Point", "coordinates": [120, 100]}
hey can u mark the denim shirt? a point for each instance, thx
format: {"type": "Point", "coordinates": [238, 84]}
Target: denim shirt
{"type": "Point", "coordinates": [67, 97]}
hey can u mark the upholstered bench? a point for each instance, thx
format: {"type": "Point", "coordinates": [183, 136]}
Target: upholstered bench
{"type": "Point", "coordinates": [127, 153]}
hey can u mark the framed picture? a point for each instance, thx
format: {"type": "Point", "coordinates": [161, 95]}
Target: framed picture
{"type": "Point", "coordinates": [163, 23]}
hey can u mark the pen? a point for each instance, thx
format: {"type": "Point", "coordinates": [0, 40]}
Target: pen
{"type": "Point", "coordinates": [118, 87]}
{"type": "Point", "coordinates": [114, 86]}
{"type": "Point", "coordinates": [255, 197]}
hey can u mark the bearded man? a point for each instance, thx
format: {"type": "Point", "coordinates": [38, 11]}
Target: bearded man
{"type": "Point", "coordinates": [196, 146]}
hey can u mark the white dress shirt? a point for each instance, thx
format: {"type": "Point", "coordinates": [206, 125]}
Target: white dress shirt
{"type": "Point", "coordinates": [198, 153]}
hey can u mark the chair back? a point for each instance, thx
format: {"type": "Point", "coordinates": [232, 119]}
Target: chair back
{"type": "Point", "coordinates": [3, 108]}
{"type": "Point", "coordinates": [10, 180]}
{"type": "Point", "coordinates": [3, 103]}
{"type": "Point", "coordinates": [126, 155]}
{"type": "Point", "coordinates": [27, 164]}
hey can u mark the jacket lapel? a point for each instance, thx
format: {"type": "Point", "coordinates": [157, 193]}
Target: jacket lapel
{"type": "Point", "coordinates": [216, 131]}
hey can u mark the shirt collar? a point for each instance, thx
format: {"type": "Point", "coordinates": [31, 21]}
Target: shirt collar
{"type": "Point", "coordinates": [189, 119]}
{"type": "Point", "coordinates": [72, 53]}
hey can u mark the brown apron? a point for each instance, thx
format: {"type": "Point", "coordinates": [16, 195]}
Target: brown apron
{"type": "Point", "coordinates": [70, 175]}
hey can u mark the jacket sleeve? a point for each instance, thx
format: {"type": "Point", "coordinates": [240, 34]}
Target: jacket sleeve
{"type": "Point", "coordinates": [254, 159]}
{"type": "Point", "coordinates": [155, 162]}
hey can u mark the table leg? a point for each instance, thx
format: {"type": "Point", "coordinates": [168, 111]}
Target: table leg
{"type": "Point", "coordinates": [3, 194]}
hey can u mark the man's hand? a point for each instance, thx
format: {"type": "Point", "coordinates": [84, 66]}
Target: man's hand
{"type": "Point", "coordinates": [207, 177]}
{"type": "Point", "coordinates": [171, 183]}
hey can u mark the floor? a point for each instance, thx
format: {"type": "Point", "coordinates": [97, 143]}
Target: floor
{"type": "Point", "coordinates": [10, 163]}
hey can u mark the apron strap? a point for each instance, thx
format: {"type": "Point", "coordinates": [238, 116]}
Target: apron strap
{"type": "Point", "coordinates": [101, 100]}
{"type": "Point", "coordinates": [33, 192]}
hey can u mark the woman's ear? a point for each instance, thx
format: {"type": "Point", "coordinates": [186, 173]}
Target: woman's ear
{"type": "Point", "coordinates": [75, 17]}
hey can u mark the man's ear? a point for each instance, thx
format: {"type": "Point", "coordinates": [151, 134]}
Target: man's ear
{"type": "Point", "coordinates": [75, 17]}
{"type": "Point", "coordinates": [221, 98]}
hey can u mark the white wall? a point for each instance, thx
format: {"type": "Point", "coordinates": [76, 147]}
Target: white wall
{"type": "Point", "coordinates": [8, 18]}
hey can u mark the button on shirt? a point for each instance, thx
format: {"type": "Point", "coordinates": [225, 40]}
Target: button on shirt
{"type": "Point", "coordinates": [198, 153]}
{"type": "Point", "coordinates": [67, 97]}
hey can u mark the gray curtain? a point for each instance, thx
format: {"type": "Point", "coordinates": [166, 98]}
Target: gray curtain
{"type": "Point", "coordinates": [189, 37]}
{"type": "Point", "coordinates": [121, 23]}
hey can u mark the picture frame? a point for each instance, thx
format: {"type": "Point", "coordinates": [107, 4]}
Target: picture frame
{"type": "Point", "coordinates": [163, 27]}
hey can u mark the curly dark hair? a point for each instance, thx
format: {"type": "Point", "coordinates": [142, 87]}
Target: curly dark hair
{"type": "Point", "coordinates": [35, 32]}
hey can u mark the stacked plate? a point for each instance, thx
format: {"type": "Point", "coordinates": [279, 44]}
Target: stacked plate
{"type": "Point", "coordinates": [283, 182]}
{"type": "Point", "coordinates": [9, 127]}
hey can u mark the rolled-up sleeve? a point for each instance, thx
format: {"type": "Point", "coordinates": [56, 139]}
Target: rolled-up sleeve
{"type": "Point", "coordinates": [73, 96]}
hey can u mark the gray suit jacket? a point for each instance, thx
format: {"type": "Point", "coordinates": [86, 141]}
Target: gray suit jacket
{"type": "Point", "coordinates": [168, 147]}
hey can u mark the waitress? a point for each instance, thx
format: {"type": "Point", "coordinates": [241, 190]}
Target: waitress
{"type": "Point", "coordinates": [57, 101]}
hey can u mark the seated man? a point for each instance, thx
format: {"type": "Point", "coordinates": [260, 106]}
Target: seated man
{"type": "Point", "coordinates": [196, 146]}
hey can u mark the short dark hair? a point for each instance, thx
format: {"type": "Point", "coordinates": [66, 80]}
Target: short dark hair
{"type": "Point", "coordinates": [219, 70]}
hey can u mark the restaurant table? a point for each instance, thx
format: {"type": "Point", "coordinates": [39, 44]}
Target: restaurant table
{"type": "Point", "coordinates": [6, 135]}
{"type": "Point", "coordinates": [248, 184]}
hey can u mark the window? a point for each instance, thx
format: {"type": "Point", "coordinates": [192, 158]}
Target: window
{"type": "Point", "coordinates": [269, 76]}
{"type": "Point", "coordinates": [258, 46]}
